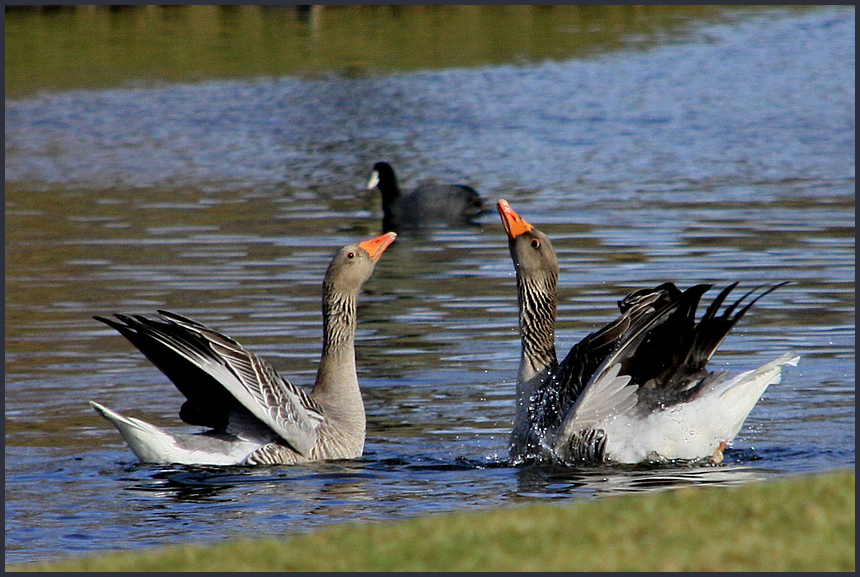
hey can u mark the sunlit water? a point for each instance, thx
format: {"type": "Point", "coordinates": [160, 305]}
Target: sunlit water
{"type": "Point", "coordinates": [728, 157]}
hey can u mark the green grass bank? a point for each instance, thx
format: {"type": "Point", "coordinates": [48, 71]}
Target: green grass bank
{"type": "Point", "coordinates": [795, 524]}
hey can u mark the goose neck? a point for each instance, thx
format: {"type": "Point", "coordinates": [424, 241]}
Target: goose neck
{"type": "Point", "coordinates": [336, 377]}
{"type": "Point", "coordinates": [537, 304]}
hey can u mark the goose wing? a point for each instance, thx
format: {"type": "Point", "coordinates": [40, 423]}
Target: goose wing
{"type": "Point", "coordinates": [219, 377]}
{"type": "Point", "coordinates": [661, 361]}
{"type": "Point", "coordinates": [561, 390]}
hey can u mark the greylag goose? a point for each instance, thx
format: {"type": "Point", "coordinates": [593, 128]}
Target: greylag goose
{"type": "Point", "coordinates": [636, 390]}
{"type": "Point", "coordinates": [254, 415]}
{"type": "Point", "coordinates": [449, 203]}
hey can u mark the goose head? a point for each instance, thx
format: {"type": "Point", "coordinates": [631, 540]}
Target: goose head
{"type": "Point", "coordinates": [531, 250]}
{"type": "Point", "coordinates": [354, 263]}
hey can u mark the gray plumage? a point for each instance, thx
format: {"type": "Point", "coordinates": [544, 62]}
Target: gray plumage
{"type": "Point", "coordinates": [252, 414]}
{"type": "Point", "coordinates": [638, 388]}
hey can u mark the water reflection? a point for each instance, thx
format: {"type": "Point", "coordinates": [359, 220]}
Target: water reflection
{"type": "Point", "coordinates": [106, 45]}
{"type": "Point", "coordinates": [563, 482]}
{"type": "Point", "coordinates": [330, 486]}
{"type": "Point", "coordinates": [346, 490]}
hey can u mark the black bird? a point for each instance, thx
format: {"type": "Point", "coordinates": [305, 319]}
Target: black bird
{"type": "Point", "coordinates": [455, 204]}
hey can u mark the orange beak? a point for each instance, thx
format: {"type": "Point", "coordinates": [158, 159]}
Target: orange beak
{"type": "Point", "coordinates": [514, 224]}
{"type": "Point", "coordinates": [376, 246]}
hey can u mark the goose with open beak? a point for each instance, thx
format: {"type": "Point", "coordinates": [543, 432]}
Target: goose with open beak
{"type": "Point", "coordinates": [637, 390]}
{"type": "Point", "coordinates": [253, 415]}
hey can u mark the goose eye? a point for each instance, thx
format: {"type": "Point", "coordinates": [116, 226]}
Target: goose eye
{"type": "Point", "coordinates": [535, 243]}
{"type": "Point", "coordinates": [350, 255]}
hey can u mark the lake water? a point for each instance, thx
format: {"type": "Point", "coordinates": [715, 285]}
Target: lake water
{"type": "Point", "coordinates": [722, 150]}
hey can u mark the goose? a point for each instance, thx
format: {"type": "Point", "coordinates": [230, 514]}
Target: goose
{"type": "Point", "coordinates": [449, 203]}
{"type": "Point", "coordinates": [636, 390]}
{"type": "Point", "coordinates": [254, 415]}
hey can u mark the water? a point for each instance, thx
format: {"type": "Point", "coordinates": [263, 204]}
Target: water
{"type": "Point", "coordinates": [726, 156]}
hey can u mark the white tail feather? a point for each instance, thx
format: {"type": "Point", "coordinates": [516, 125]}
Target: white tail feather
{"type": "Point", "coordinates": [153, 444]}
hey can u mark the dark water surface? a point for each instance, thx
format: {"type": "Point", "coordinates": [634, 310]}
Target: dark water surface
{"type": "Point", "coordinates": [727, 154]}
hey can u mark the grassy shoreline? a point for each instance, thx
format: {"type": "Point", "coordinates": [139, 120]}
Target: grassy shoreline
{"type": "Point", "coordinates": [793, 524]}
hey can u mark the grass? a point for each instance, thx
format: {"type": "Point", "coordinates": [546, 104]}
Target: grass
{"type": "Point", "coordinates": [795, 524]}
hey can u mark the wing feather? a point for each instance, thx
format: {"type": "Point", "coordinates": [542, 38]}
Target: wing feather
{"type": "Point", "coordinates": [661, 360]}
{"type": "Point", "coordinates": [183, 348]}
